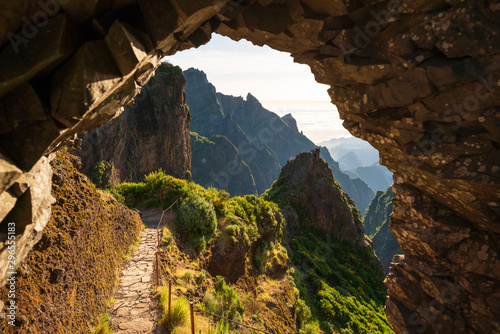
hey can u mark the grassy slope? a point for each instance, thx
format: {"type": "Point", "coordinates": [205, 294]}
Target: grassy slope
{"type": "Point", "coordinates": [67, 277]}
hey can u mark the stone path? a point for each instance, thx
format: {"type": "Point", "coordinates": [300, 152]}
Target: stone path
{"type": "Point", "coordinates": [134, 310]}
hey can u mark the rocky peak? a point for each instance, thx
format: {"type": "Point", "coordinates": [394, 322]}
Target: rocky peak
{"type": "Point", "coordinates": [252, 101]}
{"type": "Point", "coordinates": [291, 122]}
{"type": "Point", "coordinates": [196, 75]}
{"type": "Point", "coordinates": [307, 190]}
{"type": "Point", "coordinates": [151, 134]}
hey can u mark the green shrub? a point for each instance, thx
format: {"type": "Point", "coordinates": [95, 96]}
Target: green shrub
{"type": "Point", "coordinates": [179, 313]}
{"type": "Point", "coordinates": [211, 303]}
{"type": "Point", "coordinates": [197, 218]}
{"type": "Point", "coordinates": [200, 278]}
{"type": "Point", "coordinates": [303, 312]}
{"type": "Point", "coordinates": [221, 328]}
{"type": "Point", "coordinates": [231, 305]}
{"type": "Point", "coordinates": [225, 302]}
{"type": "Point", "coordinates": [310, 329]}
{"type": "Point", "coordinates": [98, 171]}
{"type": "Point", "coordinates": [188, 276]}
{"type": "Point", "coordinates": [103, 325]}
{"type": "Point", "coordinates": [133, 193]}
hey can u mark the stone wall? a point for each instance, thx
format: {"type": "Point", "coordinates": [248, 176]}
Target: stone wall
{"type": "Point", "coordinates": [417, 79]}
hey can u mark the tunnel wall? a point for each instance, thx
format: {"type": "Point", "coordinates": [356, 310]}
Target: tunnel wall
{"type": "Point", "coordinates": [417, 79]}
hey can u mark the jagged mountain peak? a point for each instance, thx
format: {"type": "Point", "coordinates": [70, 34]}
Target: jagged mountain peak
{"type": "Point", "coordinates": [252, 101]}
{"type": "Point", "coordinates": [307, 186]}
{"type": "Point", "coordinates": [291, 122]}
{"type": "Point", "coordinates": [196, 73]}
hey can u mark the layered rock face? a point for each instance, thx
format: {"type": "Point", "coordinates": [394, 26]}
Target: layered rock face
{"type": "Point", "coordinates": [209, 119]}
{"type": "Point", "coordinates": [150, 134]}
{"type": "Point", "coordinates": [417, 79]}
{"type": "Point", "coordinates": [310, 196]}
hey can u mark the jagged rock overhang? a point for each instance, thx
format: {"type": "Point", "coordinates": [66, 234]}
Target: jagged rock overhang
{"type": "Point", "coordinates": [417, 79]}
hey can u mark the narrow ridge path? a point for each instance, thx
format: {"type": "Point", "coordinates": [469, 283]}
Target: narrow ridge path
{"type": "Point", "coordinates": [135, 308]}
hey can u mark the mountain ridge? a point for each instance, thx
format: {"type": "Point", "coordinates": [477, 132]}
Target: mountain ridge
{"type": "Point", "coordinates": [257, 133]}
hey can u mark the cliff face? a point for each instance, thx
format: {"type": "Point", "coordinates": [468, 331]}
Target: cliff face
{"type": "Point", "coordinates": [150, 134]}
{"type": "Point", "coordinates": [376, 224]}
{"type": "Point", "coordinates": [259, 135]}
{"type": "Point", "coordinates": [307, 190]}
{"type": "Point", "coordinates": [210, 119]}
{"type": "Point", "coordinates": [335, 266]}
{"type": "Point", "coordinates": [215, 162]}
{"type": "Point", "coordinates": [64, 282]}
{"type": "Point", "coordinates": [418, 80]}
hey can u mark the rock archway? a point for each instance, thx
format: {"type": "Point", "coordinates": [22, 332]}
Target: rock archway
{"type": "Point", "coordinates": [419, 80]}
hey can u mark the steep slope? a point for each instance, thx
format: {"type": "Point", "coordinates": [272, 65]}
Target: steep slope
{"type": "Point", "coordinates": [349, 161]}
{"type": "Point", "coordinates": [335, 269]}
{"type": "Point", "coordinates": [377, 227]}
{"type": "Point", "coordinates": [378, 177]}
{"type": "Point", "coordinates": [306, 185]}
{"type": "Point", "coordinates": [357, 189]}
{"type": "Point", "coordinates": [65, 280]}
{"type": "Point", "coordinates": [215, 238]}
{"type": "Point", "coordinates": [150, 134]}
{"type": "Point", "coordinates": [265, 126]}
{"type": "Point", "coordinates": [216, 161]}
{"type": "Point", "coordinates": [266, 134]}
{"type": "Point", "coordinates": [209, 119]}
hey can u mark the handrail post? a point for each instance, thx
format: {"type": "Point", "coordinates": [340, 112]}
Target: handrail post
{"type": "Point", "coordinates": [169, 297]}
{"type": "Point", "coordinates": [158, 234]}
{"type": "Point", "coordinates": [192, 317]}
{"type": "Point", "coordinates": [157, 271]}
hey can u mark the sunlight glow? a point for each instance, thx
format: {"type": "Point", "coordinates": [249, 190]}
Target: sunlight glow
{"type": "Point", "coordinates": [282, 86]}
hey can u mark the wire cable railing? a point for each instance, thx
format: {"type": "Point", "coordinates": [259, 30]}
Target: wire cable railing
{"type": "Point", "coordinates": [161, 271]}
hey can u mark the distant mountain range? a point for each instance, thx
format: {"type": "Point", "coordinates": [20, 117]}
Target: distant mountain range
{"type": "Point", "coordinates": [343, 149]}
{"type": "Point", "coordinates": [261, 140]}
{"type": "Point", "coordinates": [358, 159]}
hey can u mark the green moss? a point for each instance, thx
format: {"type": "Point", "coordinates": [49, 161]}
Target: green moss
{"type": "Point", "coordinates": [86, 238]}
{"type": "Point", "coordinates": [98, 171]}
{"type": "Point", "coordinates": [326, 268]}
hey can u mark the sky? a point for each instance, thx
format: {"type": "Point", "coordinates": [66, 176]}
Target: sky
{"type": "Point", "coordinates": [282, 86]}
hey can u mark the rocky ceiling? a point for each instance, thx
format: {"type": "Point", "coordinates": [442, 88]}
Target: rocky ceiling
{"type": "Point", "coordinates": [418, 79]}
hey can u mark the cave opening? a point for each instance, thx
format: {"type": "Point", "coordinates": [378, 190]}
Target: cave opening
{"type": "Point", "coordinates": [434, 119]}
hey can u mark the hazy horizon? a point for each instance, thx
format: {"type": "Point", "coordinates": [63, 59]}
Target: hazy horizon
{"type": "Point", "coordinates": [282, 86]}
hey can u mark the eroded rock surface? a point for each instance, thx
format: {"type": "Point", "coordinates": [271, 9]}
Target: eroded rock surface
{"type": "Point", "coordinates": [152, 133]}
{"type": "Point", "coordinates": [417, 79]}
{"type": "Point", "coordinates": [307, 189]}
{"type": "Point", "coordinates": [65, 279]}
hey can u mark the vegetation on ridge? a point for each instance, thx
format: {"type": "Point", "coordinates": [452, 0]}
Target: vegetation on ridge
{"type": "Point", "coordinates": [339, 287]}
{"type": "Point", "coordinates": [336, 274]}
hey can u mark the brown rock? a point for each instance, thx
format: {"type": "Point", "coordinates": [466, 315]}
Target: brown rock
{"type": "Point", "coordinates": [47, 48]}
{"type": "Point", "coordinates": [151, 134]}
{"type": "Point", "coordinates": [445, 160]}
{"type": "Point", "coordinates": [76, 87]}
{"type": "Point", "coordinates": [126, 49]}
